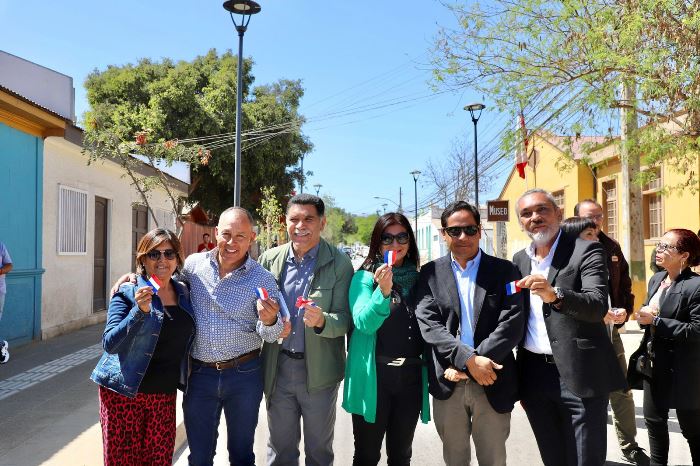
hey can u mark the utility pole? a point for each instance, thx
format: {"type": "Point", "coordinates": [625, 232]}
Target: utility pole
{"type": "Point", "coordinates": [632, 228]}
{"type": "Point", "coordinates": [400, 201]}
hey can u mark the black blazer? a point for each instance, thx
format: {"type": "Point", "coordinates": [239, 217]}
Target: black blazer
{"type": "Point", "coordinates": [676, 343]}
{"type": "Point", "coordinates": [581, 346]}
{"type": "Point", "coordinates": [498, 325]}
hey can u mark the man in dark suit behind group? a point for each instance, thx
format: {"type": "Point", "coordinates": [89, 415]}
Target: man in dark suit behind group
{"type": "Point", "coordinates": [566, 363]}
{"type": "Point", "coordinates": [470, 325]}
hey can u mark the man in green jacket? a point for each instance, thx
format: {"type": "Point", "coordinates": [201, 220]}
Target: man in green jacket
{"type": "Point", "coordinates": [302, 374]}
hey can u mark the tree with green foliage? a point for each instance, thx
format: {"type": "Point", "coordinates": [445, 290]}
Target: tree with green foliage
{"type": "Point", "coordinates": [270, 211]}
{"type": "Point", "coordinates": [365, 225]}
{"type": "Point", "coordinates": [570, 60]}
{"type": "Point", "coordinates": [194, 103]}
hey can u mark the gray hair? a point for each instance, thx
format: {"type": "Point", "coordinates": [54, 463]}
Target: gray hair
{"type": "Point", "coordinates": [549, 196]}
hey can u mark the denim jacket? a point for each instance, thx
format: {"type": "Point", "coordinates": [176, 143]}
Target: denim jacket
{"type": "Point", "coordinates": [130, 338]}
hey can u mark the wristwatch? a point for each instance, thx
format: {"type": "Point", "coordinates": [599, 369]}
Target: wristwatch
{"type": "Point", "coordinates": [559, 293]}
{"type": "Point", "coordinates": [655, 321]}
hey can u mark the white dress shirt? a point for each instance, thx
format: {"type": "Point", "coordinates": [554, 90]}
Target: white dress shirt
{"type": "Point", "coordinates": [536, 338]}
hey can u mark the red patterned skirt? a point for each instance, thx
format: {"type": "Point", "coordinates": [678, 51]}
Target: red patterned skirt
{"type": "Point", "coordinates": [137, 431]}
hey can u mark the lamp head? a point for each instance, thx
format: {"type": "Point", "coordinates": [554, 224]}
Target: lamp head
{"type": "Point", "coordinates": [242, 7]}
{"type": "Point", "coordinates": [416, 174]}
{"type": "Point", "coordinates": [473, 108]}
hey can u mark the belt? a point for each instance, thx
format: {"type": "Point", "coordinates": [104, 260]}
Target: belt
{"type": "Point", "coordinates": [292, 354]}
{"type": "Point", "coordinates": [548, 358]}
{"type": "Point", "coordinates": [229, 363]}
{"type": "Point", "coordinates": [399, 361]}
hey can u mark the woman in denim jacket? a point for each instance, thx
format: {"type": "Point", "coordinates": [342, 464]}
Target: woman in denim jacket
{"type": "Point", "coordinates": [149, 331]}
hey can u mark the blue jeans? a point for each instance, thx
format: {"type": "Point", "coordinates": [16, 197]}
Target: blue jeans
{"type": "Point", "coordinates": [238, 391]}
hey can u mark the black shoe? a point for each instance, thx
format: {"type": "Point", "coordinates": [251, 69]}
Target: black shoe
{"type": "Point", "coordinates": [4, 352]}
{"type": "Point", "coordinates": [636, 456]}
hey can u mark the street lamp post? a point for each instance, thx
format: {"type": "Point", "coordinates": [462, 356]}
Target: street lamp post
{"type": "Point", "coordinates": [473, 108]}
{"type": "Point", "coordinates": [384, 206]}
{"type": "Point", "coordinates": [387, 199]}
{"type": "Point", "coordinates": [301, 184]}
{"type": "Point", "coordinates": [318, 187]}
{"type": "Point", "coordinates": [416, 174]}
{"type": "Point", "coordinates": [245, 8]}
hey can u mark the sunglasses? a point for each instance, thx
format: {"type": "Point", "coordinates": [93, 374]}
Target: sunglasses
{"type": "Point", "coordinates": [155, 254]}
{"type": "Point", "coordinates": [456, 232]}
{"type": "Point", "coordinates": [388, 238]}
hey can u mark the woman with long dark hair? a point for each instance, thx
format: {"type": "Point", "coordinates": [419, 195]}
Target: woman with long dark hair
{"type": "Point", "coordinates": [667, 362]}
{"type": "Point", "coordinates": [149, 331]}
{"type": "Point", "coordinates": [385, 386]}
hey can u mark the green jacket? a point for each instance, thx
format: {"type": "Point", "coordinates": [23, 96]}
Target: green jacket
{"type": "Point", "coordinates": [324, 351]}
{"type": "Point", "coordinates": [369, 310]}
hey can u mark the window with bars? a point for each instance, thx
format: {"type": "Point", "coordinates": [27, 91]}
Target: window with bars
{"type": "Point", "coordinates": [72, 221]}
{"type": "Point", "coordinates": [610, 208]}
{"type": "Point", "coordinates": [652, 205]}
{"type": "Point", "coordinates": [559, 199]}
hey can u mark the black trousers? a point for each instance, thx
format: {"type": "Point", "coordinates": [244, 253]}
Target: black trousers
{"type": "Point", "coordinates": [399, 399]}
{"type": "Point", "coordinates": [569, 430]}
{"type": "Point", "coordinates": [656, 420]}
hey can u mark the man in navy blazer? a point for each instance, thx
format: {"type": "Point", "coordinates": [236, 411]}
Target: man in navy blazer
{"type": "Point", "coordinates": [471, 325]}
{"type": "Point", "coordinates": [566, 362]}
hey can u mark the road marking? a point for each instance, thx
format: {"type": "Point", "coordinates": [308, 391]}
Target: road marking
{"type": "Point", "coordinates": [33, 376]}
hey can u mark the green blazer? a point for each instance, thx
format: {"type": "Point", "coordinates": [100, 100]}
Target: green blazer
{"type": "Point", "coordinates": [324, 351]}
{"type": "Point", "coordinates": [369, 310]}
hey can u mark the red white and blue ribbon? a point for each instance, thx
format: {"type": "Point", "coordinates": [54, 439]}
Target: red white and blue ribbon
{"type": "Point", "coordinates": [390, 257]}
{"type": "Point", "coordinates": [301, 302]}
{"type": "Point", "coordinates": [154, 283]}
{"type": "Point", "coordinates": [262, 294]}
{"type": "Point", "coordinates": [512, 288]}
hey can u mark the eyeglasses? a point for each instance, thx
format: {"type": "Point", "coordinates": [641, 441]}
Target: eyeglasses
{"type": "Point", "coordinates": [595, 217]}
{"type": "Point", "coordinates": [456, 232]}
{"type": "Point", "coordinates": [661, 247]}
{"type": "Point", "coordinates": [155, 254]}
{"type": "Point", "coordinates": [539, 210]}
{"type": "Point", "coordinates": [388, 238]}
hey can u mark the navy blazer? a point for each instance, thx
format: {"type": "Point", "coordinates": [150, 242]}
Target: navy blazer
{"type": "Point", "coordinates": [676, 343]}
{"type": "Point", "coordinates": [499, 323]}
{"type": "Point", "coordinates": [580, 341]}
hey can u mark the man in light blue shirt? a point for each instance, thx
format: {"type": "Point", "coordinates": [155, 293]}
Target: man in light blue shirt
{"type": "Point", "coordinates": [471, 324]}
{"type": "Point", "coordinates": [5, 267]}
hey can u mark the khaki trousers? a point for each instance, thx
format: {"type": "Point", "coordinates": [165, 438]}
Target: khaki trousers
{"type": "Point", "coordinates": [468, 413]}
{"type": "Point", "coordinates": [622, 403]}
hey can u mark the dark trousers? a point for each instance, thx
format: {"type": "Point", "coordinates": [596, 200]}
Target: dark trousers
{"type": "Point", "coordinates": [656, 420]}
{"type": "Point", "coordinates": [569, 430]}
{"type": "Point", "coordinates": [399, 398]}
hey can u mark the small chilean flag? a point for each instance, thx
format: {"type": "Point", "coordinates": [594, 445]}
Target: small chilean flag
{"type": "Point", "coordinates": [390, 258]}
{"type": "Point", "coordinates": [155, 283]}
{"type": "Point", "coordinates": [512, 288]}
{"type": "Point", "coordinates": [262, 294]}
{"type": "Point", "coordinates": [301, 301]}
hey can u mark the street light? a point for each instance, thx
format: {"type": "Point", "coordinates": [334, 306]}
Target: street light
{"type": "Point", "coordinates": [318, 187]}
{"type": "Point", "coordinates": [384, 206]}
{"type": "Point", "coordinates": [473, 108]}
{"type": "Point", "coordinates": [301, 183]}
{"type": "Point", "coordinates": [387, 199]}
{"type": "Point", "coordinates": [244, 8]}
{"type": "Point", "coordinates": [416, 174]}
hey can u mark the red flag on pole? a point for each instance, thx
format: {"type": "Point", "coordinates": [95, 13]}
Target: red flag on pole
{"type": "Point", "coordinates": [521, 154]}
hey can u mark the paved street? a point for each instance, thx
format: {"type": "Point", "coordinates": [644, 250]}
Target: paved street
{"type": "Point", "coordinates": [49, 413]}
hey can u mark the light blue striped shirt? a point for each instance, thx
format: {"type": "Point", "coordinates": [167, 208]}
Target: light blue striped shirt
{"type": "Point", "coordinates": [466, 283]}
{"type": "Point", "coordinates": [226, 318]}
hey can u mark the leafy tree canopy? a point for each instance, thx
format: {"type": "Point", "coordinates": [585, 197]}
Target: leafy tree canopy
{"type": "Point", "coordinates": [193, 102]}
{"type": "Point", "coordinates": [566, 61]}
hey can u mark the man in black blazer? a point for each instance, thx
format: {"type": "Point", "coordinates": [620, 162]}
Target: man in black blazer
{"type": "Point", "coordinates": [566, 362]}
{"type": "Point", "coordinates": [471, 325]}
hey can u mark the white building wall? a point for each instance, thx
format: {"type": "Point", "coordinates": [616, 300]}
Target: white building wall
{"type": "Point", "coordinates": [68, 280]}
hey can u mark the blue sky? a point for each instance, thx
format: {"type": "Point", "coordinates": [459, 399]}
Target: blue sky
{"type": "Point", "coordinates": [359, 57]}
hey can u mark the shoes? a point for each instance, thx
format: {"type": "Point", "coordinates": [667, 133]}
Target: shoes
{"type": "Point", "coordinates": [636, 456]}
{"type": "Point", "coordinates": [4, 352]}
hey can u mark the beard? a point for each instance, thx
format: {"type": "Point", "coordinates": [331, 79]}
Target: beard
{"type": "Point", "coordinates": [542, 238]}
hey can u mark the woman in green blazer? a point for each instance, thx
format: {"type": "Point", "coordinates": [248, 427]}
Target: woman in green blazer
{"type": "Point", "coordinates": [385, 386]}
